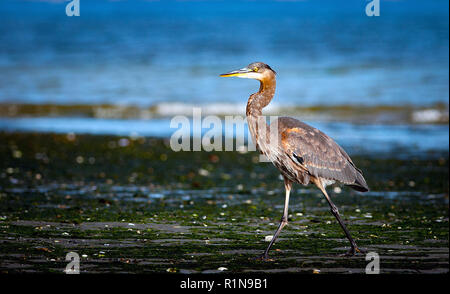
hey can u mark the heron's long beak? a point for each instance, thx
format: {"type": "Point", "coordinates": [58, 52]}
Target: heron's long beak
{"type": "Point", "coordinates": [237, 73]}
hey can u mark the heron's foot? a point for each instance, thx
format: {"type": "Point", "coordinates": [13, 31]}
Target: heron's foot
{"type": "Point", "coordinates": [263, 257]}
{"type": "Point", "coordinates": [354, 251]}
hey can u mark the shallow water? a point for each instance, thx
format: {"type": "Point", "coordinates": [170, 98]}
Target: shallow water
{"type": "Point", "coordinates": [360, 138]}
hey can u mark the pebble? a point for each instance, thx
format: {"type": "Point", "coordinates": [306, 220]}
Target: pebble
{"type": "Point", "coordinates": [203, 172]}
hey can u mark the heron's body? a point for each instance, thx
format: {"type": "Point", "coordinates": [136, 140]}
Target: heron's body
{"type": "Point", "coordinates": [303, 154]}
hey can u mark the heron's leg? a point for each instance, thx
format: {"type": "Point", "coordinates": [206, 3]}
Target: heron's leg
{"type": "Point", "coordinates": [284, 219]}
{"type": "Point", "coordinates": [334, 210]}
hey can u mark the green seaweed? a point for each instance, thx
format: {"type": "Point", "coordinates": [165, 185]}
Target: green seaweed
{"type": "Point", "coordinates": [136, 206]}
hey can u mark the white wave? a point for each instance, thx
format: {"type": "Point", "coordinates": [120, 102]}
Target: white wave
{"type": "Point", "coordinates": [429, 116]}
{"type": "Point", "coordinates": [177, 108]}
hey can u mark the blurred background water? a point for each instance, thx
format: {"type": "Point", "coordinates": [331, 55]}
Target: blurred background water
{"type": "Point", "coordinates": [161, 58]}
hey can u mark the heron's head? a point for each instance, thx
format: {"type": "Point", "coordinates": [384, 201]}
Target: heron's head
{"type": "Point", "coordinates": [256, 70]}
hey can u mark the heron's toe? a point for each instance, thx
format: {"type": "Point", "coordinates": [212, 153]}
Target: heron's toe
{"type": "Point", "coordinates": [354, 251]}
{"type": "Point", "coordinates": [263, 257]}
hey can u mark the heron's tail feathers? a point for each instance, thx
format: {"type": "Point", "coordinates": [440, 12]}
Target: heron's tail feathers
{"type": "Point", "coordinates": [360, 183]}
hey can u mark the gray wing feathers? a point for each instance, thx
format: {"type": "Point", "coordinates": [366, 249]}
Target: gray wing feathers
{"type": "Point", "coordinates": [319, 154]}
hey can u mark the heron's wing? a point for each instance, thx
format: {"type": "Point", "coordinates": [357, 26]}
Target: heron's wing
{"type": "Point", "coordinates": [317, 153]}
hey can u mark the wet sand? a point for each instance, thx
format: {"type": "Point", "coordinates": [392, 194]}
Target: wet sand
{"type": "Point", "coordinates": [131, 205]}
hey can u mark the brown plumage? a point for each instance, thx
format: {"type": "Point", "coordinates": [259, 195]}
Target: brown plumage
{"type": "Point", "coordinates": [318, 155]}
{"type": "Point", "coordinates": [303, 154]}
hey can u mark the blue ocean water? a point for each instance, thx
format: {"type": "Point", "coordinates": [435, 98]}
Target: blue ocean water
{"type": "Point", "coordinates": [170, 53]}
{"type": "Point", "coordinates": [148, 52]}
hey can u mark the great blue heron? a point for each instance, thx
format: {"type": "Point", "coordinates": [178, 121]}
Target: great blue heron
{"type": "Point", "coordinates": [303, 154]}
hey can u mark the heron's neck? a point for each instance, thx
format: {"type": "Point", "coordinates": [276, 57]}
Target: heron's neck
{"type": "Point", "coordinates": [256, 122]}
{"type": "Point", "coordinates": [262, 98]}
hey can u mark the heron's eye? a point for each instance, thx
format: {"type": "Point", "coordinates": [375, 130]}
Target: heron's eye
{"type": "Point", "coordinates": [255, 69]}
